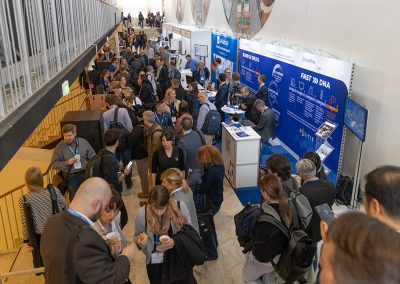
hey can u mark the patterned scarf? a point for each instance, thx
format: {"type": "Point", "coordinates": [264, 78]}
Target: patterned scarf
{"type": "Point", "coordinates": [171, 214]}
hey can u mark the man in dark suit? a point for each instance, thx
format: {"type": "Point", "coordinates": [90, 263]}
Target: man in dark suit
{"type": "Point", "coordinates": [248, 105]}
{"type": "Point", "coordinates": [222, 96]}
{"type": "Point", "coordinates": [266, 125]}
{"type": "Point", "coordinates": [73, 252]}
{"type": "Point", "coordinates": [317, 192]}
{"type": "Point", "coordinates": [162, 76]}
{"type": "Point", "coordinates": [262, 92]}
{"type": "Point", "coordinates": [190, 144]}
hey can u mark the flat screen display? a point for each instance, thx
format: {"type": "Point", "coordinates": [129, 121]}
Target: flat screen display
{"type": "Point", "coordinates": [201, 50]}
{"type": "Point", "coordinates": [355, 118]}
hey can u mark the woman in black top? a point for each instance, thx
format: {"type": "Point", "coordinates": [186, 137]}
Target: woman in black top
{"type": "Point", "coordinates": [169, 156]}
{"type": "Point", "coordinates": [268, 242]}
{"type": "Point", "coordinates": [280, 165]}
{"type": "Point", "coordinates": [314, 157]}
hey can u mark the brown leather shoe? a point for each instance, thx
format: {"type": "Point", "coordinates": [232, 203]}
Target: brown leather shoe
{"type": "Point", "coordinates": [142, 195]}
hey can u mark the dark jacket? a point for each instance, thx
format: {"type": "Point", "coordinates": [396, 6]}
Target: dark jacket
{"type": "Point", "coordinates": [146, 96]}
{"type": "Point", "coordinates": [72, 252]}
{"type": "Point", "coordinates": [267, 240]}
{"type": "Point", "coordinates": [317, 192]}
{"type": "Point", "coordinates": [109, 169]}
{"type": "Point", "coordinates": [197, 74]}
{"type": "Point", "coordinates": [213, 185]}
{"type": "Point", "coordinates": [163, 77]}
{"type": "Point", "coordinates": [251, 113]}
{"type": "Point", "coordinates": [181, 94]}
{"type": "Point", "coordinates": [266, 125]}
{"type": "Point", "coordinates": [135, 67]}
{"type": "Point", "coordinates": [222, 96]}
{"type": "Point", "coordinates": [262, 94]}
{"type": "Point", "coordinates": [190, 144]}
{"type": "Point", "coordinates": [137, 142]}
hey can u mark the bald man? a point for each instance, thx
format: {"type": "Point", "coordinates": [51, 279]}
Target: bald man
{"type": "Point", "coordinates": [72, 251]}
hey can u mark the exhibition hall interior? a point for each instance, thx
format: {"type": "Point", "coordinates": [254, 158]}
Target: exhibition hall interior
{"type": "Point", "coordinates": [203, 141]}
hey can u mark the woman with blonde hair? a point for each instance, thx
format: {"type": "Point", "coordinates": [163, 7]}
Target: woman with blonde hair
{"type": "Point", "coordinates": [162, 216]}
{"type": "Point", "coordinates": [172, 103]}
{"type": "Point", "coordinates": [267, 241]}
{"type": "Point", "coordinates": [179, 189]}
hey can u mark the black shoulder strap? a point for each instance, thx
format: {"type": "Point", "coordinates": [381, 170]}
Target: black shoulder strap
{"type": "Point", "coordinates": [116, 113]}
{"type": "Point", "coordinates": [275, 222]}
{"type": "Point", "coordinates": [53, 197]}
{"type": "Point", "coordinates": [208, 105]}
{"type": "Point", "coordinates": [201, 137]}
{"type": "Point", "coordinates": [179, 204]}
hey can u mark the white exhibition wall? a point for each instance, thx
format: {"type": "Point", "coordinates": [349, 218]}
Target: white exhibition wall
{"type": "Point", "coordinates": [362, 32]}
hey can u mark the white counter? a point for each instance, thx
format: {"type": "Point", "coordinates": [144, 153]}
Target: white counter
{"type": "Point", "coordinates": [241, 155]}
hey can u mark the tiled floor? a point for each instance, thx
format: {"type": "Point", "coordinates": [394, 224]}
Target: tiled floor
{"type": "Point", "coordinates": [226, 270]}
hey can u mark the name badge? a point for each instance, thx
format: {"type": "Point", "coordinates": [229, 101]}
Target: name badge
{"type": "Point", "coordinates": [202, 79]}
{"type": "Point", "coordinates": [157, 257]}
{"type": "Point", "coordinates": [77, 165]}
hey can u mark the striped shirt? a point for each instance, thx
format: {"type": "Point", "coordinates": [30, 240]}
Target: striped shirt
{"type": "Point", "coordinates": [42, 209]}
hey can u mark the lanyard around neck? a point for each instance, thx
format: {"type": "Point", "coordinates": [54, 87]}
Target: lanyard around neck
{"type": "Point", "coordinates": [76, 147]}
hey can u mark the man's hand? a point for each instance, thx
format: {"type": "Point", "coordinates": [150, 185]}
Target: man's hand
{"type": "Point", "coordinates": [71, 161]}
{"type": "Point", "coordinates": [28, 248]}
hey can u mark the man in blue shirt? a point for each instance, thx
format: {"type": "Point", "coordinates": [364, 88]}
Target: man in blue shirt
{"type": "Point", "coordinates": [114, 65]}
{"type": "Point", "coordinates": [220, 70]}
{"type": "Point", "coordinates": [191, 63]}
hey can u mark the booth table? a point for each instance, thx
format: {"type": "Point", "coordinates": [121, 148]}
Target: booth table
{"type": "Point", "coordinates": [240, 154]}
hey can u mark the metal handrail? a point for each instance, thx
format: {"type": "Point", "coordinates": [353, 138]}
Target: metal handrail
{"type": "Point", "coordinates": [23, 185]}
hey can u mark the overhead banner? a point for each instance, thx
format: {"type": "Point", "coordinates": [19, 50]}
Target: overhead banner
{"type": "Point", "coordinates": [307, 93]}
{"type": "Point", "coordinates": [224, 47]}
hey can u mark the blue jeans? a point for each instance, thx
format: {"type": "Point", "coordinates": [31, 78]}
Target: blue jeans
{"type": "Point", "coordinates": [74, 181]}
{"type": "Point", "coordinates": [125, 155]}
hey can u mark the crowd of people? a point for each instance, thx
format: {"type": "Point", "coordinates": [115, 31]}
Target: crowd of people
{"type": "Point", "coordinates": [150, 119]}
{"type": "Point", "coordinates": [152, 20]}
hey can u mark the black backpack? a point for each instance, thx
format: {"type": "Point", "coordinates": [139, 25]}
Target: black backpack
{"type": "Point", "coordinates": [297, 257]}
{"type": "Point", "coordinates": [123, 132]}
{"type": "Point", "coordinates": [244, 221]}
{"type": "Point", "coordinates": [344, 190]}
{"type": "Point", "coordinates": [212, 122]}
{"type": "Point", "coordinates": [93, 167]}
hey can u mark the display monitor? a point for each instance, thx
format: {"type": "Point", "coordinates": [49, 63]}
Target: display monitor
{"type": "Point", "coordinates": [200, 50]}
{"type": "Point", "coordinates": [355, 118]}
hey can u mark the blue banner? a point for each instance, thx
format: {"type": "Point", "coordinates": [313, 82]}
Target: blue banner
{"type": "Point", "coordinates": [224, 47]}
{"type": "Point", "coordinates": [309, 106]}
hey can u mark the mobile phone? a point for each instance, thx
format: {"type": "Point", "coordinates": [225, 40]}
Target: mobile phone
{"type": "Point", "coordinates": [129, 165]}
{"type": "Point", "coordinates": [325, 213]}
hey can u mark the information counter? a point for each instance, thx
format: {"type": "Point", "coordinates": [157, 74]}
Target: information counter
{"type": "Point", "coordinates": [241, 154]}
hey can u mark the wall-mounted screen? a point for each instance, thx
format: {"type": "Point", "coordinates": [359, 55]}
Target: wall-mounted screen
{"type": "Point", "coordinates": [201, 50]}
{"type": "Point", "coordinates": [355, 118]}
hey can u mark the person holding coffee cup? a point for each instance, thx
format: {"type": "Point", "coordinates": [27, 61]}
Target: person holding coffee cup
{"type": "Point", "coordinates": [155, 223]}
{"type": "Point", "coordinates": [109, 225]}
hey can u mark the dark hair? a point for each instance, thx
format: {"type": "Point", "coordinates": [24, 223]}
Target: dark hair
{"type": "Point", "coordinates": [111, 137]}
{"type": "Point", "coordinates": [262, 78]}
{"type": "Point", "coordinates": [383, 184]}
{"type": "Point", "coordinates": [159, 196]}
{"type": "Point", "coordinates": [111, 99]}
{"type": "Point", "coordinates": [235, 76]}
{"type": "Point", "coordinates": [140, 112]}
{"type": "Point", "coordinates": [116, 199]}
{"type": "Point", "coordinates": [222, 77]}
{"type": "Point", "coordinates": [364, 250]}
{"type": "Point", "coordinates": [168, 133]}
{"type": "Point", "coordinates": [195, 89]}
{"type": "Point", "coordinates": [183, 108]}
{"type": "Point", "coordinates": [279, 164]}
{"type": "Point", "coordinates": [314, 157]}
{"type": "Point", "coordinates": [218, 60]}
{"type": "Point", "coordinates": [104, 72]}
{"type": "Point", "coordinates": [187, 123]}
{"type": "Point", "coordinates": [188, 55]}
{"type": "Point", "coordinates": [271, 185]}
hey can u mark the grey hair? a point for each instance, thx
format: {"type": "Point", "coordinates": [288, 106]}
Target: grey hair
{"type": "Point", "coordinates": [306, 167]}
{"type": "Point", "coordinates": [149, 116]}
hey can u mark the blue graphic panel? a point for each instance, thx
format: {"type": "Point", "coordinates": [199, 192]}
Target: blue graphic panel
{"type": "Point", "coordinates": [224, 47]}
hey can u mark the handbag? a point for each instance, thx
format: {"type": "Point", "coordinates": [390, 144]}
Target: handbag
{"type": "Point", "coordinates": [62, 182]}
{"type": "Point", "coordinates": [205, 217]}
